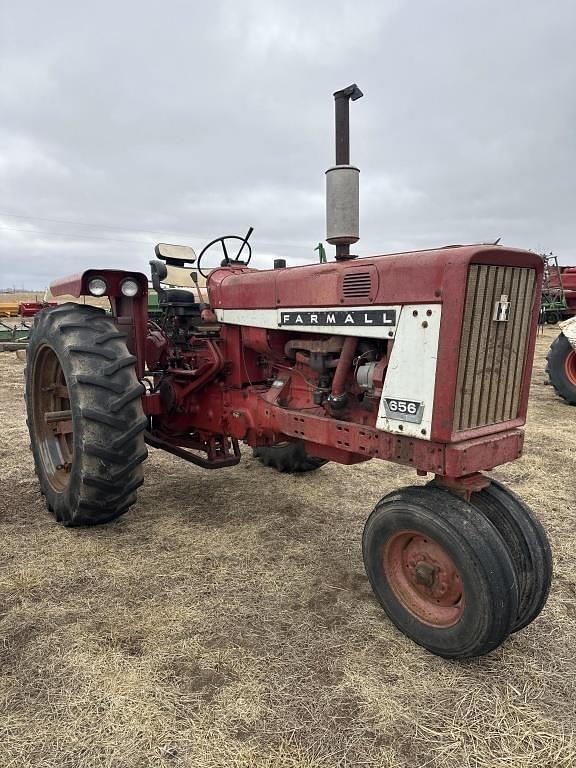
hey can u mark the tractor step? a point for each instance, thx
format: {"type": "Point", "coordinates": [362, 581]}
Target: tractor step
{"type": "Point", "coordinates": [217, 457]}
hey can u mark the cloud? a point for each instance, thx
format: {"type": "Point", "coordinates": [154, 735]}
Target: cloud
{"type": "Point", "coordinates": [20, 155]}
{"type": "Point", "coordinates": [186, 121]}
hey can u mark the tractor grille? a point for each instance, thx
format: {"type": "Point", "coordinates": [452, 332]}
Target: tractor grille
{"type": "Point", "coordinates": [492, 354]}
{"type": "Point", "coordinates": [357, 285]}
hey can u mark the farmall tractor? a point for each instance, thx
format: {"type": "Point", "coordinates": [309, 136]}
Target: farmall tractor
{"type": "Point", "coordinates": [422, 359]}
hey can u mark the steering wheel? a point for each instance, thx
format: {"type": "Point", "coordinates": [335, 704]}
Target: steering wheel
{"type": "Point", "coordinates": [227, 260]}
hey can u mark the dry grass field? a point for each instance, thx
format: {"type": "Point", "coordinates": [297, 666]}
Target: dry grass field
{"type": "Point", "coordinates": [45, 295]}
{"type": "Point", "coordinates": [226, 622]}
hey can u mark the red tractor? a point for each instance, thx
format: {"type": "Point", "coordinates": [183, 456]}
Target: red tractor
{"type": "Point", "coordinates": [422, 359]}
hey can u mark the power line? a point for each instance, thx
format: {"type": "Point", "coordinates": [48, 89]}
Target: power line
{"type": "Point", "coordinates": [73, 235]}
{"type": "Point", "coordinates": [155, 234]}
{"type": "Point", "coordinates": [87, 224]}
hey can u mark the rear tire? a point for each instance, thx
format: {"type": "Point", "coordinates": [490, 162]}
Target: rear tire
{"type": "Point", "coordinates": [288, 457]}
{"type": "Point", "coordinates": [85, 416]}
{"type": "Point", "coordinates": [441, 572]}
{"type": "Point", "coordinates": [527, 543]}
{"type": "Point", "coordinates": [561, 368]}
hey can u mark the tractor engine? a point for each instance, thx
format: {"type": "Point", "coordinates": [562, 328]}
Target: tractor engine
{"type": "Point", "coordinates": [181, 313]}
{"type": "Point", "coordinates": [381, 362]}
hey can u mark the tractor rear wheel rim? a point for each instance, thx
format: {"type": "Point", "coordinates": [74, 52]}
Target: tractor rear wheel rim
{"type": "Point", "coordinates": [570, 367]}
{"type": "Point", "coordinates": [52, 422]}
{"type": "Point", "coordinates": [424, 578]}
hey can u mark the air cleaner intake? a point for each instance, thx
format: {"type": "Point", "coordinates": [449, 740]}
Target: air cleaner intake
{"type": "Point", "coordinates": [357, 285]}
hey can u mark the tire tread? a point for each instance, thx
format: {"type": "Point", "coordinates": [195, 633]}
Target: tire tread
{"type": "Point", "coordinates": [109, 422]}
{"type": "Point", "coordinates": [555, 359]}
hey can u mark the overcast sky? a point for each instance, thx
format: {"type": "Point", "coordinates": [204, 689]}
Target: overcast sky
{"type": "Point", "coordinates": [128, 122]}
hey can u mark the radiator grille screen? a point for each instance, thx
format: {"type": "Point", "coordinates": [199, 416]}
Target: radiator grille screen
{"type": "Point", "coordinates": [492, 354]}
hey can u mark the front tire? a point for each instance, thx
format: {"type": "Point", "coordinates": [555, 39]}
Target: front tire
{"type": "Point", "coordinates": [527, 543]}
{"type": "Point", "coordinates": [85, 416]}
{"type": "Point", "coordinates": [561, 368]}
{"type": "Point", "coordinates": [441, 572]}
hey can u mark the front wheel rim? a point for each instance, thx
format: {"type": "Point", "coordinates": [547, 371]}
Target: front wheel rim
{"type": "Point", "coordinates": [424, 578]}
{"type": "Point", "coordinates": [52, 419]}
{"type": "Point", "coordinates": [570, 367]}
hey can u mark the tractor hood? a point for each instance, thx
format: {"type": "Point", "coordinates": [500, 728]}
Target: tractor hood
{"type": "Point", "coordinates": [400, 278]}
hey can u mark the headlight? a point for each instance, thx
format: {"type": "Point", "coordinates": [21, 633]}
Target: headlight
{"type": "Point", "coordinates": [97, 286]}
{"type": "Point", "coordinates": [129, 287]}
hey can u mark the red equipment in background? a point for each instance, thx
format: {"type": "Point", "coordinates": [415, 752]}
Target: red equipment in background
{"type": "Point", "coordinates": [31, 308]}
{"type": "Point", "coordinates": [566, 280]}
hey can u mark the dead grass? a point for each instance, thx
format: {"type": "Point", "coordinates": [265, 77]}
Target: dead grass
{"type": "Point", "coordinates": [226, 621]}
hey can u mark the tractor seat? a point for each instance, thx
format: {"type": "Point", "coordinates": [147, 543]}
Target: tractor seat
{"type": "Point", "coordinates": [175, 255]}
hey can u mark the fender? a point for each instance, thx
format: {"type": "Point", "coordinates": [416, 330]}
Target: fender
{"type": "Point", "coordinates": [130, 312]}
{"type": "Point", "coordinates": [77, 285]}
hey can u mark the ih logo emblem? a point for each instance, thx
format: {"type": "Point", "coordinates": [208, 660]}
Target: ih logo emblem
{"type": "Point", "coordinates": [502, 309]}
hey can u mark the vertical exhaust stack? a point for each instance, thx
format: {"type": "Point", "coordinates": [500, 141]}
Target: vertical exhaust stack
{"type": "Point", "coordinates": [342, 182]}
